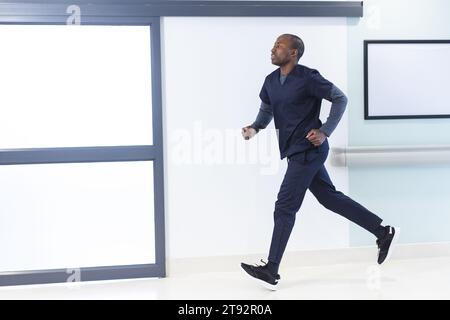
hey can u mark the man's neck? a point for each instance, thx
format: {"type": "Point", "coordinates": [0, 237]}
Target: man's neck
{"type": "Point", "coordinates": [287, 68]}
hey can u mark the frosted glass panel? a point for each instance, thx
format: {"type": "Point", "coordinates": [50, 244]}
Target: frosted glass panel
{"type": "Point", "coordinates": [67, 86]}
{"type": "Point", "coordinates": [76, 215]}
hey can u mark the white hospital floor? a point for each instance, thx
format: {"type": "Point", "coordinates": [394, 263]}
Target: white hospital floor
{"type": "Point", "coordinates": [399, 279]}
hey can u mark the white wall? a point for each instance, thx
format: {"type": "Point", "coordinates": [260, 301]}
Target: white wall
{"type": "Point", "coordinates": [220, 189]}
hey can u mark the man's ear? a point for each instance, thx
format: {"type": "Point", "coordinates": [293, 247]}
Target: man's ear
{"type": "Point", "coordinates": [295, 51]}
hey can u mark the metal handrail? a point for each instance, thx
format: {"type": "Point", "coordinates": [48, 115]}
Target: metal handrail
{"type": "Point", "coordinates": [390, 155]}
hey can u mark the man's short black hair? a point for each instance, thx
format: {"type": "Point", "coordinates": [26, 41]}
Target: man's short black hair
{"type": "Point", "coordinates": [296, 43]}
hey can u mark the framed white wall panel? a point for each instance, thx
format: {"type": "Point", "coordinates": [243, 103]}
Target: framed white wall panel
{"type": "Point", "coordinates": [406, 79]}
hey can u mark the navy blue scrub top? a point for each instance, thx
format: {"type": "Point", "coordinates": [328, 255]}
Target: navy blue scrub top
{"type": "Point", "coordinates": [296, 107]}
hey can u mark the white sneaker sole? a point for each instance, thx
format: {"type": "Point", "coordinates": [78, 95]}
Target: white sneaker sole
{"type": "Point", "coordinates": [261, 282]}
{"type": "Point", "coordinates": [391, 248]}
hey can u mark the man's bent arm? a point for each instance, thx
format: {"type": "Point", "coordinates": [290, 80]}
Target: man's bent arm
{"type": "Point", "coordinates": [338, 105]}
{"type": "Point", "coordinates": [265, 115]}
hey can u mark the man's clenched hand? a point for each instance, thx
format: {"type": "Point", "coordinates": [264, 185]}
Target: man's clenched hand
{"type": "Point", "coordinates": [248, 132]}
{"type": "Point", "coordinates": [316, 137]}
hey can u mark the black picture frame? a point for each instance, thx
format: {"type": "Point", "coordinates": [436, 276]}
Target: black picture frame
{"type": "Point", "coordinates": [366, 81]}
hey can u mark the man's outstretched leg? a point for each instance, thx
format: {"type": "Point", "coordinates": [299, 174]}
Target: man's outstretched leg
{"type": "Point", "coordinates": [325, 192]}
{"type": "Point", "coordinates": [301, 169]}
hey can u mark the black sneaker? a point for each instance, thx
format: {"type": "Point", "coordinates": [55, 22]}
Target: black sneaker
{"type": "Point", "coordinates": [262, 275]}
{"type": "Point", "coordinates": [385, 243]}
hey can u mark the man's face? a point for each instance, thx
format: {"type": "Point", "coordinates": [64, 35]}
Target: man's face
{"type": "Point", "coordinates": [281, 52]}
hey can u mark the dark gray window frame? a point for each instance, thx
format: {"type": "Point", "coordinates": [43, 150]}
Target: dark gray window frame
{"type": "Point", "coordinates": [146, 13]}
{"type": "Point", "coordinates": [153, 153]}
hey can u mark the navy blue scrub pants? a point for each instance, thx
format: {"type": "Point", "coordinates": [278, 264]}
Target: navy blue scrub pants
{"type": "Point", "coordinates": [306, 170]}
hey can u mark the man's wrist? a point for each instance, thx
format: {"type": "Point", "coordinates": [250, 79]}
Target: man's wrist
{"type": "Point", "coordinates": [254, 127]}
{"type": "Point", "coordinates": [324, 132]}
